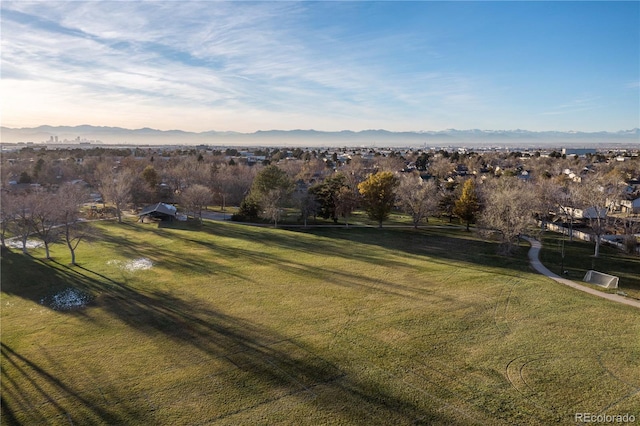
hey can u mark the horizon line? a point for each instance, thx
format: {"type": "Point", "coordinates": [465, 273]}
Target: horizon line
{"type": "Point", "coordinates": [324, 131]}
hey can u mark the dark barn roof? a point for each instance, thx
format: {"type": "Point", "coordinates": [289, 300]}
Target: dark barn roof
{"type": "Point", "coordinates": [160, 210]}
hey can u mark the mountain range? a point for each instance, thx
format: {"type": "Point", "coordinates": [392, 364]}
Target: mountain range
{"type": "Point", "coordinates": [449, 137]}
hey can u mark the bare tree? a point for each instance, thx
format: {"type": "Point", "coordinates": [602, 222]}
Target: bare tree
{"type": "Point", "coordinates": [292, 167]}
{"type": "Point", "coordinates": [70, 199]}
{"type": "Point", "coordinates": [311, 169]}
{"type": "Point", "coordinates": [307, 204]}
{"type": "Point", "coordinates": [90, 171]}
{"type": "Point", "coordinates": [473, 162]}
{"type": "Point", "coordinates": [346, 203]}
{"type": "Point", "coordinates": [391, 164]}
{"type": "Point", "coordinates": [549, 197]}
{"type": "Point", "coordinates": [44, 220]}
{"type": "Point", "coordinates": [595, 196]}
{"type": "Point", "coordinates": [232, 183]}
{"type": "Point", "coordinates": [630, 227]}
{"type": "Point", "coordinates": [7, 214]}
{"type": "Point", "coordinates": [417, 197]}
{"type": "Point", "coordinates": [116, 187]}
{"type": "Point", "coordinates": [440, 167]}
{"type": "Point", "coordinates": [566, 207]}
{"type": "Point", "coordinates": [24, 207]}
{"type": "Point", "coordinates": [195, 198]}
{"type": "Point", "coordinates": [188, 171]}
{"type": "Point", "coordinates": [271, 202]}
{"type": "Point", "coordinates": [508, 204]}
{"type": "Point", "coordinates": [355, 172]}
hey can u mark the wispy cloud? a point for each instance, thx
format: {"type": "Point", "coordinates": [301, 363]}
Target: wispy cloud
{"type": "Point", "coordinates": [235, 65]}
{"type": "Point", "coordinates": [576, 105]}
{"type": "Point", "coordinates": [212, 54]}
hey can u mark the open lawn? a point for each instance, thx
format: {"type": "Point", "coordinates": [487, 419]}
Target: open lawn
{"type": "Point", "coordinates": [240, 325]}
{"type": "Point", "coordinates": [578, 259]}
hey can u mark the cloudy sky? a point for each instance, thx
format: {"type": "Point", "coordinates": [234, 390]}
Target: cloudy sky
{"type": "Point", "coordinates": [246, 66]}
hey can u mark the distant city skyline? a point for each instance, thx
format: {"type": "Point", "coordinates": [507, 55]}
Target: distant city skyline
{"type": "Point", "coordinates": [329, 66]}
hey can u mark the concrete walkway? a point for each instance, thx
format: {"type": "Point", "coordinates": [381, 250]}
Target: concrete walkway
{"type": "Point", "coordinates": [534, 253]}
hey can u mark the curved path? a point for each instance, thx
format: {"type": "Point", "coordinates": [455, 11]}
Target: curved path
{"type": "Point", "coordinates": [538, 266]}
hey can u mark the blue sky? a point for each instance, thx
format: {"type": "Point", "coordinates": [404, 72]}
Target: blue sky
{"type": "Point", "coordinates": [247, 66]}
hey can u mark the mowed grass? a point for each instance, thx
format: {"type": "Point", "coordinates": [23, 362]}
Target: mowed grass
{"type": "Point", "coordinates": [578, 259]}
{"type": "Point", "coordinates": [236, 324]}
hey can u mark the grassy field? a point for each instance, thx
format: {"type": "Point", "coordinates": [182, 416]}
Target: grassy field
{"type": "Point", "coordinates": [578, 259]}
{"type": "Point", "coordinates": [245, 325]}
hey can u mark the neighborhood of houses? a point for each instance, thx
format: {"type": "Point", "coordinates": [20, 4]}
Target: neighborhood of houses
{"type": "Point", "coordinates": [38, 169]}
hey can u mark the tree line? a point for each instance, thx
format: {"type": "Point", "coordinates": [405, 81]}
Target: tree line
{"type": "Point", "coordinates": [503, 193]}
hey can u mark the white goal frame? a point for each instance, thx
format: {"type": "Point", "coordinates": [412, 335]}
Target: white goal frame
{"type": "Point", "coordinates": [601, 279]}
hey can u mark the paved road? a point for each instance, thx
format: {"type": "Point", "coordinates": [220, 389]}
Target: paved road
{"type": "Point", "coordinates": [208, 214]}
{"type": "Point", "coordinates": [534, 253]}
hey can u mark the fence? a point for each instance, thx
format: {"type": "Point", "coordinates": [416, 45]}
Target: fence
{"type": "Point", "coordinates": [566, 231]}
{"type": "Point", "coordinates": [584, 236]}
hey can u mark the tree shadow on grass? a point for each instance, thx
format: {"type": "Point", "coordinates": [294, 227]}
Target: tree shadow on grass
{"type": "Point", "coordinates": [36, 280]}
{"type": "Point", "coordinates": [436, 246]}
{"type": "Point", "coordinates": [33, 394]}
{"type": "Point", "coordinates": [277, 366]}
{"type": "Point", "coordinates": [431, 245]}
{"type": "Point", "coordinates": [166, 249]}
{"type": "Point", "coordinates": [259, 252]}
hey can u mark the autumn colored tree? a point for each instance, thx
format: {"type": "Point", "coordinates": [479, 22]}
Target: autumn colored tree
{"type": "Point", "coordinates": [467, 206]}
{"type": "Point", "coordinates": [378, 195]}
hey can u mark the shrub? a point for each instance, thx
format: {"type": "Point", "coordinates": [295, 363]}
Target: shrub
{"type": "Point", "coordinates": [249, 210]}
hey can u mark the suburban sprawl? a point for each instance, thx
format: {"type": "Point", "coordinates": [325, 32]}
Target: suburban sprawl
{"type": "Point", "coordinates": [207, 284]}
